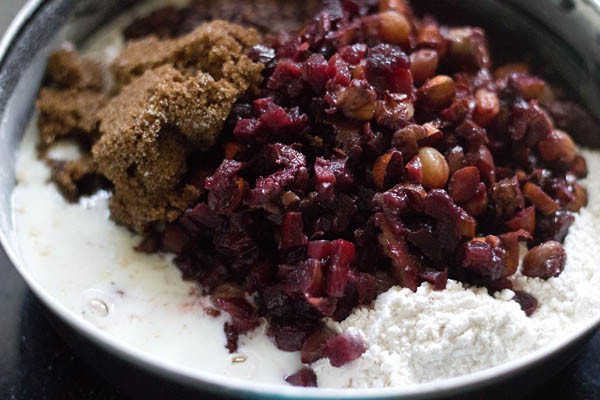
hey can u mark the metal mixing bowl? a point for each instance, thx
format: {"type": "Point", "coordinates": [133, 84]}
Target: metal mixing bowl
{"type": "Point", "coordinates": [563, 34]}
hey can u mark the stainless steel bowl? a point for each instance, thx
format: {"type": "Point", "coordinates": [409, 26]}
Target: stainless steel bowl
{"type": "Point", "coordinates": [563, 34]}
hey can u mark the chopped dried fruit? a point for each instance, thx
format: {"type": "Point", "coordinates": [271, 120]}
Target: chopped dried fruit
{"type": "Point", "coordinates": [343, 349]}
{"type": "Point", "coordinates": [306, 377]}
{"type": "Point", "coordinates": [527, 302]}
{"type": "Point", "coordinates": [463, 184]}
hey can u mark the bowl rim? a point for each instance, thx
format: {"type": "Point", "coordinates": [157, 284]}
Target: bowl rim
{"type": "Point", "coordinates": [238, 386]}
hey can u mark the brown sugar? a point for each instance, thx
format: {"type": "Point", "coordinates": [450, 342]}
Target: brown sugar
{"type": "Point", "coordinates": [74, 91]}
{"type": "Point", "coordinates": [178, 104]}
{"type": "Point", "coordinates": [147, 131]}
{"type": "Point", "coordinates": [75, 178]}
{"type": "Point", "coordinates": [67, 70]}
{"type": "Point", "coordinates": [217, 48]}
{"type": "Point", "coordinates": [68, 113]}
{"type": "Point", "coordinates": [172, 97]}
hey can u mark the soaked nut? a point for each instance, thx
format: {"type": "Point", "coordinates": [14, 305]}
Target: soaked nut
{"type": "Point", "coordinates": [435, 168]}
{"type": "Point", "coordinates": [434, 135]}
{"type": "Point", "coordinates": [429, 36]}
{"type": "Point", "coordinates": [400, 6]}
{"type": "Point", "coordinates": [357, 100]}
{"type": "Point", "coordinates": [487, 107]}
{"type": "Point", "coordinates": [579, 167]}
{"type": "Point", "coordinates": [512, 68]}
{"type": "Point", "coordinates": [414, 170]}
{"type": "Point", "coordinates": [406, 139]}
{"type": "Point", "coordinates": [580, 200]}
{"type": "Point", "coordinates": [289, 199]}
{"type": "Point", "coordinates": [545, 261]}
{"type": "Point", "coordinates": [438, 92]}
{"type": "Point", "coordinates": [482, 158]}
{"type": "Point", "coordinates": [423, 64]}
{"type": "Point", "coordinates": [394, 28]}
{"type": "Point", "coordinates": [380, 168]}
{"type": "Point", "coordinates": [558, 146]}
{"type": "Point", "coordinates": [528, 87]}
{"type": "Point", "coordinates": [456, 158]}
{"type": "Point", "coordinates": [524, 219]}
{"type": "Point", "coordinates": [228, 290]}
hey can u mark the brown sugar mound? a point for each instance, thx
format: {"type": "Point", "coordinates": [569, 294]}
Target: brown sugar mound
{"type": "Point", "coordinates": [173, 97]}
{"type": "Point", "coordinates": [142, 149]}
{"type": "Point", "coordinates": [74, 92]}
{"type": "Point", "coordinates": [217, 48]}
{"type": "Point", "coordinates": [148, 129]}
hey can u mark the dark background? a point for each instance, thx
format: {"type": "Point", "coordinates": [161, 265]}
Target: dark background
{"type": "Point", "coordinates": [35, 363]}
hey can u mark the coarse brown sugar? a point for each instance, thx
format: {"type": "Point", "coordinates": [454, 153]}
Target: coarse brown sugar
{"type": "Point", "coordinates": [217, 48]}
{"type": "Point", "coordinates": [146, 132]}
{"type": "Point", "coordinates": [68, 113]}
{"type": "Point", "coordinates": [67, 70]}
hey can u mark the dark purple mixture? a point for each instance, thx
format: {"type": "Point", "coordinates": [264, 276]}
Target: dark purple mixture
{"type": "Point", "coordinates": [382, 150]}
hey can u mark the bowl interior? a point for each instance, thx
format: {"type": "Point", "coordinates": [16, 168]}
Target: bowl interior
{"type": "Point", "coordinates": [42, 25]}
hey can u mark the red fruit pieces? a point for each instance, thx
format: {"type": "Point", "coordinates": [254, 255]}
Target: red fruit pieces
{"type": "Point", "coordinates": [291, 235]}
{"type": "Point", "coordinates": [526, 301]}
{"type": "Point", "coordinates": [463, 184]}
{"type": "Point", "coordinates": [343, 254]}
{"type": "Point", "coordinates": [344, 348]}
{"type": "Point", "coordinates": [305, 377]}
{"type": "Point", "coordinates": [387, 69]}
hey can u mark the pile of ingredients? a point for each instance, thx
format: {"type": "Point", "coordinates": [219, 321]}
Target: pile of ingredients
{"type": "Point", "coordinates": [332, 179]}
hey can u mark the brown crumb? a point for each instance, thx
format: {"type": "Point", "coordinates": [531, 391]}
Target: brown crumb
{"type": "Point", "coordinates": [71, 113]}
{"type": "Point", "coordinates": [68, 71]}
{"type": "Point", "coordinates": [68, 105]}
{"type": "Point", "coordinates": [75, 177]}
{"type": "Point", "coordinates": [217, 48]}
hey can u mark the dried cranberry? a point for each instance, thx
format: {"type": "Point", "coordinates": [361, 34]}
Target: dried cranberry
{"type": "Point", "coordinates": [305, 377]}
{"type": "Point", "coordinates": [343, 349]}
{"type": "Point", "coordinates": [526, 301]}
{"type": "Point", "coordinates": [387, 69]}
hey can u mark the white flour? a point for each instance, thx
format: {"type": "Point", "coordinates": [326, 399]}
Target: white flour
{"type": "Point", "coordinates": [429, 335]}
